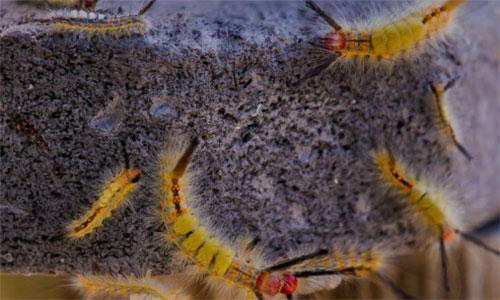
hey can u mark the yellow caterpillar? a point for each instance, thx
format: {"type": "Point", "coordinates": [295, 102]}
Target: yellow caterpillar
{"type": "Point", "coordinates": [113, 194]}
{"type": "Point", "coordinates": [442, 117]}
{"type": "Point", "coordinates": [205, 249]}
{"type": "Point", "coordinates": [389, 40]}
{"type": "Point", "coordinates": [92, 23]}
{"type": "Point", "coordinates": [124, 287]}
{"type": "Point", "coordinates": [430, 204]}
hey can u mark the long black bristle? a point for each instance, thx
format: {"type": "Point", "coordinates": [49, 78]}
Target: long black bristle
{"type": "Point", "coordinates": [315, 273]}
{"type": "Point", "coordinates": [321, 13]}
{"type": "Point", "coordinates": [476, 241]}
{"type": "Point", "coordinates": [315, 71]}
{"type": "Point", "coordinates": [462, 149]}
{"type": "Point", "coordinates": [183, 162]}
{"type": "Point", "coordinates": [444, 264]}
{"type": "Point", "coordinates": [451, 83]}
{"type": "Point", "coordinates": [395, 288]}
{"type": "Point", "coordinates": [146, 7]}
{"type": "Point", "coordinates": [291, 262]}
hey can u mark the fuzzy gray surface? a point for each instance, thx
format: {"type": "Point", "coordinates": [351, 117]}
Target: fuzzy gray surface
{"type": "Point", "coordinates": [289, 166]}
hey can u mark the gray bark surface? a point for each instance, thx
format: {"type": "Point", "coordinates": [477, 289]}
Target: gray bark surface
{"type": "Point", "coordinates": [290, 166]}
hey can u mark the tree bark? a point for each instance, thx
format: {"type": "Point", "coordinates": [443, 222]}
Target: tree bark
{"type": "Point", "coordinates": [288, 165]}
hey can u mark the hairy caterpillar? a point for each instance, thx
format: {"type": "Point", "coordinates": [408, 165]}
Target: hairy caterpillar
{"type": "Point", "coordinates": [443, 120]}
{"type": "Point", "coordinates": [92, 23]}
{"type": "Point", "coordinates": [113, 194]}
{"type": "Point", "coordinates": [430, 204]}
{"type": "Point", "coordinates": [203, 248]}
{"type": "Point", "coordinates": [124, 287]}
{"type": "Point", "coordinates": [72, 4]}
{"type": "Point", "coordinates": [329, 270]}
{"type": "Point", "coordinates": [383, 41]}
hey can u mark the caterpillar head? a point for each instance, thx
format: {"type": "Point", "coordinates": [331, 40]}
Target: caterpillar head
{"type": "Point", "coordinates": [334, 41]}
{"type": "Point", "coordinates": [270, 285]}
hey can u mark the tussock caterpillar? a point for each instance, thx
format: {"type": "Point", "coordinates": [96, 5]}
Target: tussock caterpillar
{"type": "Point", "coordinates": [432, 207]}
{"type": "Point", "coordinates": [443, 119]}
{"type": "Point", "coordinates": [91, 23]}
{"type": "Point", "coordinates": [124, 287]}
{"type": "Point", "coordinates": [113, 194]}
{"type": "Point", "coordinates": [233, 272]}
{"type": "Point", "coordinates": [58, 4]}
{"type": "Point", "coordinates": [365, 42]}
{"type": "Point", "coordinates": [327, 271]}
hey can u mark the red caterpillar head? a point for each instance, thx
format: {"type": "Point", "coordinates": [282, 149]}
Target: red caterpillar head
{"type": "Point", "coordinates": [270, 285]}
{"type": "Point", "coordinates": [334, 41]}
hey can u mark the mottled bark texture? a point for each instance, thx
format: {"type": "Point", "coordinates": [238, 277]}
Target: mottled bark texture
{"type": "Point", "coordinates": [289, 166]}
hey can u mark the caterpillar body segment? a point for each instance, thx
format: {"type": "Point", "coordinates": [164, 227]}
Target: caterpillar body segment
{"type": "Point", "coordinates": [92, 24]}
{"type": "Point", "coordinates": [388, 41]}
{"type": "Point", "coordinates": [442, 117]}
{"type": "Point", "coordinates": [113, 194]}
{"type": "Point", "coordinates": [431, 206]}
{"type": "Point", "coordinates": [124, 287]}
{"type": "Point", "coordinates": [199, 245]}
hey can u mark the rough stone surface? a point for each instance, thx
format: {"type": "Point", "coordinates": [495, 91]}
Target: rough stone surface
{"type": "Point", "coordinates": [287, 165]}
